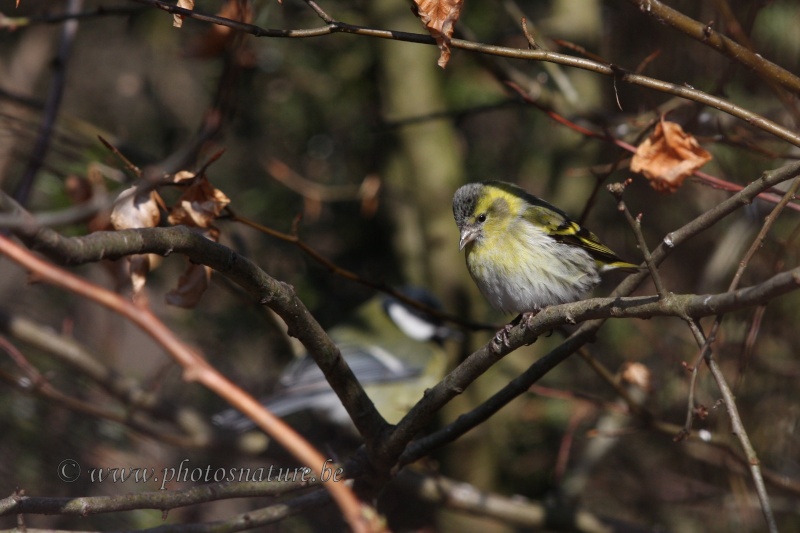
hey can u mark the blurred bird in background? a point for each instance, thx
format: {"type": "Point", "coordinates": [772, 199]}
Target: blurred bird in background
{"type": "Point", "coordinates": [394, 350]}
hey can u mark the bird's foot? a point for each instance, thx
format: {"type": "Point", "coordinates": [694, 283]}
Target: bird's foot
{"type": "Point", "coordinates": [501, 337]}
{"type": "Point", "coordinates": [527, 322]}
{"type": "Point", "coordinates": [527, 318]}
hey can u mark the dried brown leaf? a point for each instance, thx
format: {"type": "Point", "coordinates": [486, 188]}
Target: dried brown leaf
{"type": "Point", "coordinates": [136, 209]}
{"type": "Point", "coordinates": [440, 17]}
{"type": "Point", "coordinates": [216, 39]}
{"type": "Point", "coordinates": [182, 175]}
{"type": "Point", "coordinates": [177, 20]}
{"type": "Point", "coordinates": [668, 156]}
{"type": "Point", "coordinates": [78, 189]}
{"type": "Point", "coordinates": [368, 192]}
{"type": "Point", "coordinates": [636, 374]}
{"type": "Point", "coordinates": [191, 286]}
{"type": "Point", "coordinates": [199, 205]}
{"type": "Point", "coordinates": [139, 266]}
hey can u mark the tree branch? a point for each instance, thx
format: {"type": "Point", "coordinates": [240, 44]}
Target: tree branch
{"type": "Point", "coordinates": [705, 34]}
{"type": "Point", "coordinates": [160, 499]}
{"type": "Point", "coordinates": [196, 368]}
{"type": "Point", "coordinates": [454, 383]}
{"type": "Point", "coordinates": [617, 73]}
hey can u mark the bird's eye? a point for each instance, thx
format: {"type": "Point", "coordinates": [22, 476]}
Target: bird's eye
{"type": "Point", "coordinates": [482, 218]}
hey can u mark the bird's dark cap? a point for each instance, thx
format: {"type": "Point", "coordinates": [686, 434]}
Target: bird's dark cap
{"type": "Point", "coordinates": [464, 202]}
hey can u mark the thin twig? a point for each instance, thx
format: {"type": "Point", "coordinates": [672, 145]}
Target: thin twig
{"type": "Point", "coordinates": [514, 511]}
{"type": "Point", "coordinates": [704, 177]}
{"type": "Point", "coordinates": [70, 215]}
{"type": "Point", "coordinates": [617, 190]}
{"type": "Point", "coordinates": [15, 23]}
{"type": "Point", "coordinates": [531, 41]}
{"type": "Point", "coordinates": [600, 369]}
{"type": "Point", "coordinates": [320, 12]}
{"type": "Point", "coordinates": [769, 221]}
{"type": "Point", "coordinates": [42, 388]}
{"type": "Point", "coordinates": [703, 33]}
{"type": "Point", "coordinates": [538, 41]}
{"type": "Point", "coordinates": [750, 341]}
{"type": "Point", "coordinates": [136, 171]}
{"type": "Point", "coordinates": [68, 350]}
{"type": "Point", "coordinates": [68, 32]}
{"type": "Point", "coordinates": [600, 179]}
{"type": "Point", "coordinates": [754, 247]}
{"type": "Point", "coordinates": [737, 426]}
{"type": "Point", "coordinates": [705, 344]}
{"type": "Point", "coordinates": [335, 269]}
{"type": "Point", "coordinates": [753, 119]}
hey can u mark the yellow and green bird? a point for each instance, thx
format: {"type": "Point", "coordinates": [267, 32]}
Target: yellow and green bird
{"type": "Point", "coordinates": [525, 254]}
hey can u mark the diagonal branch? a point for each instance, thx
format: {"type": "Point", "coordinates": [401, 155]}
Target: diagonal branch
{"type": "Point", "coordinates": [160, 499]}
{"type": "Point", "coordinates": [705, 34]}
{"type": "Point", "coordinates": [196, 368]}
{"type": "Point", "coordinates": [455, 384]}
{"type": "Point", "coordinates": [269, 291]}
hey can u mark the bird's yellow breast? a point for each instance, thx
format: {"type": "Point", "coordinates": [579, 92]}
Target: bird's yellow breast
{"type": "Point", "coordinates": [518, 266]}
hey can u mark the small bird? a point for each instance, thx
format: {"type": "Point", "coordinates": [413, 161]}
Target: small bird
{"type": "Point", "coordinates": [525, 254]}
{"type": "Point", "coordinates": [394, 350]}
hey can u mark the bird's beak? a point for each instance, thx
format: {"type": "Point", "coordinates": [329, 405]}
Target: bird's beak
{"type": "Point", "coordinates": [468, 235]}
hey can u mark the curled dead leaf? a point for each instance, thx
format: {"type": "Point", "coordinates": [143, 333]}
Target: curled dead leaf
{"type": "Point", "coordinates": [139, 266]}
{"type": "Point", "coordinates": [668, 156]}
{"type": "Point", "coordinates": [135, 208]}
{"type": "Point", "coordinates": [191, 287]}
{"type": "Point", "coordinates": [440, 17]}
{"type": "Point", "coordinates": [199, 205]}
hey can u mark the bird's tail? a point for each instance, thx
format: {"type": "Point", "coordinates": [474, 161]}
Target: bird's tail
{"type": "Point", "coordinates": [622, 266]}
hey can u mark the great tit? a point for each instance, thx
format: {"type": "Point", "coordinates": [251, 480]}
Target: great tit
{"type": "Point", "coordinates": [394, 350]}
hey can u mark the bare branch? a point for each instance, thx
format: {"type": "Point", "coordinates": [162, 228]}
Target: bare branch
{"type": "Point", "coordinates": [160, 499]}
{"type": "Point", "coordinates": [617, 73]}
{"type": "Point", "coordinates": [68, 32]}
{"type": "Point", "coordinates": [706, 35]}
{"type": "Point", "coordinates": [457, 381]}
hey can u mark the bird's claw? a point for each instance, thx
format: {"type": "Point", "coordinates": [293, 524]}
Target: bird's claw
{"type": "Point", "coordinates": [527, 323]}
{"type": "Point", "coordinates": [501, 338]}
{"type": "Point", "coordinates": [527, 318]}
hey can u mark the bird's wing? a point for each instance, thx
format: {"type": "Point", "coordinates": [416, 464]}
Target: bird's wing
{"type": "Point", "coordinates": [303, 386]}
{"type": "Point", "coordinates": [556, 224]}
{"type": "Point", "coordinates": [369, 363]}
